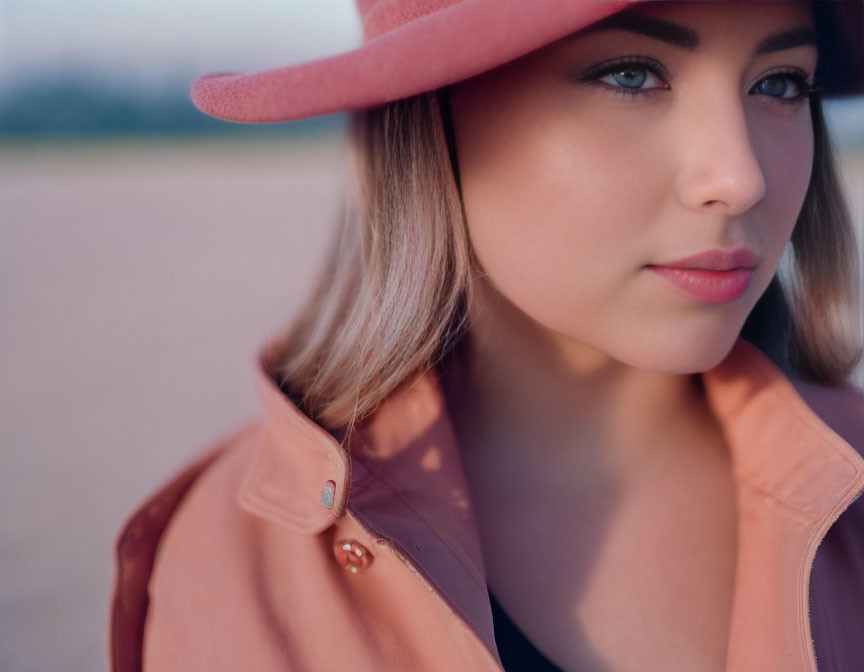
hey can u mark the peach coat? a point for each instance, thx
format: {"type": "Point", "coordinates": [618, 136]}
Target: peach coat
{"type": "Point", "coordinates": [238, 562]}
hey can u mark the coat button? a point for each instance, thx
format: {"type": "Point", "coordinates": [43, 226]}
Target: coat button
{"type": "Point", "coordinates": [352, 555]}
{"type": "Point", "coordinates": [327, 493]}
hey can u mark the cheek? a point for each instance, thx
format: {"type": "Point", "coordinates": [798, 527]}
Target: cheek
{"type": "Point", "coordinates": [558, 218]}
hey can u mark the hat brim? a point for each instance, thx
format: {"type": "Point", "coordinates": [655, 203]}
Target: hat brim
{"type": "Point", "coordinates": [424, 54]}
{"type": "Point", "coordinates": [431, 51]}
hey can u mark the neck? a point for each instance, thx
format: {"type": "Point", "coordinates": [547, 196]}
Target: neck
{"type": "Point", "coordinates": [531, 400]}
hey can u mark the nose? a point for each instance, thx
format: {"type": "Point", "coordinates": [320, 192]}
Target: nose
{"type": "Point", "coordinates": [720, 168]}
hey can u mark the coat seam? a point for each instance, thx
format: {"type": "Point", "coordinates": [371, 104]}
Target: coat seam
{"type": "Point", "coordinates": [818, 534]}
{"type": "Point", "coordinates": [402, 555]}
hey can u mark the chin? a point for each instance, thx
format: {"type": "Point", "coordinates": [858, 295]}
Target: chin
{"type": "Point", "coordinates": [682, 352]}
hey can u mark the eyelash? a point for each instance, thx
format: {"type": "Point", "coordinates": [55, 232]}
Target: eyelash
{"type": "Point", "coordinates": [808, 90]}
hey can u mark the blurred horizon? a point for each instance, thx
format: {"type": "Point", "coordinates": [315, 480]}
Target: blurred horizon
{"type": "Point", "coordinates": [147, 43]}
{"type": "Point", "coordinates": [90, 67]}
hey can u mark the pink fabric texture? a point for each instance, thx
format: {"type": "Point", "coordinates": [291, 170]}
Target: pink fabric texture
{"type": "Point", "coordinates": [411, 46]}
{"type": "Point", "coordinates": [233, 565]}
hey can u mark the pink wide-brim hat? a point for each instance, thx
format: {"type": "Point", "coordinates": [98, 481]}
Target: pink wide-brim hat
{"type": "Point", "coordinates": [412, 46]}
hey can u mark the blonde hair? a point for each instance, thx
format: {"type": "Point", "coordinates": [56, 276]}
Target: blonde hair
{"type": "Point", "coordinates": [392, 298]}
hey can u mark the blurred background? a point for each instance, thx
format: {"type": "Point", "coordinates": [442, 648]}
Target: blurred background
{"type": "Point", "coordinates": [146, 251]}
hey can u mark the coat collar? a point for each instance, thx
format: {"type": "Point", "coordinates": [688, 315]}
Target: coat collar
{"type": "Point", "coordinates": [797, 461]}
{"type": "Point", "coordinates": [778, 440]}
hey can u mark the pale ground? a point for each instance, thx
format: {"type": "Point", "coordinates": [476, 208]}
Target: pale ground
{"type": "Point", "coordinates": [136, 281]}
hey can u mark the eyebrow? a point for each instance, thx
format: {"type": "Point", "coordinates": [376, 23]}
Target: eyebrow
{"type": "Point", "coordinates": [685, 38]}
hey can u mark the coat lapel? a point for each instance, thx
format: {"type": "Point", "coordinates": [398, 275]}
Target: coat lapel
{"type": "Point", "coordinates": [415, 495]}
{"type": "Point", "coordinates": [401, 476]}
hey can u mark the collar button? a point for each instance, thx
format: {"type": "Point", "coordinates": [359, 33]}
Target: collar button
{"type": "Point", "coordinates": [327, 493]}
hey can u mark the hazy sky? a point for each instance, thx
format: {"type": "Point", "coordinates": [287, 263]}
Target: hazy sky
{"type": "Point", "coordinates": [147, 39]}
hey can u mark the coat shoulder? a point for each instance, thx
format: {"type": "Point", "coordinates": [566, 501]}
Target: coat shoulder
{"type": "Point", "coordinates": [841, 408]}
{"type": "Point", "coordinates": [139, 542]}
{"type": "Point", "coordinates": [230, 589]}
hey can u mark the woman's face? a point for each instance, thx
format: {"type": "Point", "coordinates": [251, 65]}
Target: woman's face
{"type": "Point", "coordinates": [579, 171]}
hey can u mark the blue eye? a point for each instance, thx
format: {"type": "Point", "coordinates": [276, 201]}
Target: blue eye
{"type": "Point", "coordinates": [629, 78]}
{"type": "Point", "coordinates": [806, 89]}
{"type": "Point", "coordinates": [628, 75]}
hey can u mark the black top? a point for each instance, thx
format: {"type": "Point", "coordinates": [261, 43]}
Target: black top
{"type": "Point", "coordinates": [516, 651]}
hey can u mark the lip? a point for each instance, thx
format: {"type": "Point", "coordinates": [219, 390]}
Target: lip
{"type": "Point", "coordinates": [707, 285]}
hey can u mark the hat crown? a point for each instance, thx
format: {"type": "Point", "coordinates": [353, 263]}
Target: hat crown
{"type": "Point", "coordinates": [382, 16]}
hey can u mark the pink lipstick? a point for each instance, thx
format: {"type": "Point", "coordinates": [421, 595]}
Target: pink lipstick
{"type": "Point", "coordinates": [714, 276]}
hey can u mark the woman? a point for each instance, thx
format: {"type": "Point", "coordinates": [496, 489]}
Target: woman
{"type": "Point", "coordinates": [555, 403]}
